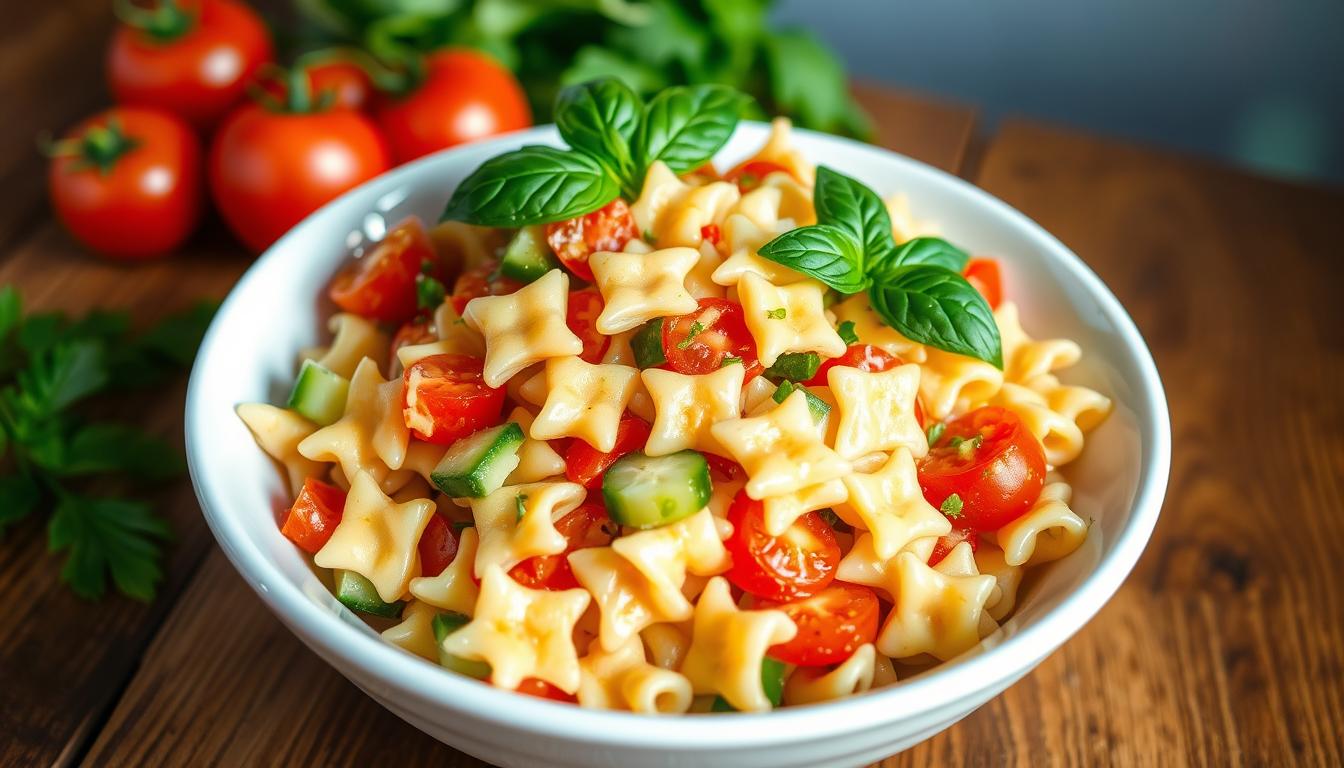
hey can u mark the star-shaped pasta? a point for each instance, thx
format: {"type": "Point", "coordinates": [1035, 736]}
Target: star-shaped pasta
{"type": "Point", "coordinates": [584, 400]}
{"type": "Point", "coordinates": [810, 685]}
{"type": "Point", "coordinates": [989, 560]}
{"type": "Point", "coordinates": [353, 339]}
{"type": "Point", "coordinates": [742, 238]}
{"type": "Point", "coordinates": [688, 406]}
{"type": "Point", "coordinates": [279, 431]}
{"type": "Point", "coordinates": [781, 511]}
{"type": "Point", "coordinates": [415, 633]}
{"type": "Point", "coordinates": [779, 149]}
{"type": "Point", "coordinates": [934, 613]}
{"type": "Point", "coordinates": [371, 436]}
{"type": "Point", "coordinates": [377, 538]}
{"type": "Point", "coordinates": [877, 410]}
{"type": "Point", "coordinates": [518, 521]}
{"type": "Point", "coordinates": [1025, 358]}
{"type": "Point", "coordinates": [781, 451]}
{"type": "Point", "coordinates": [623, 679]}
{"type": "Point", "coordinates": [951, 383]}
{"type": "Point", "coordinates": [870, 329]}
{"type": "Point", "coordinates": [522, 632]}
{"type": "Point", "coordinates": [700, 280]}
{"type": "Point", "coordinates": [624, 596]}
{"type": "Point", "coordinates": [789, 318]}
{"type": "Point", "coordinates": [728, 644]}
{"type": "Point", "coordinates": [454, 589]}
{"type": "Point", "coordinates": [676, 212]}
{"type": "Point", "coordinates": [1058, 435]}
{"type": "Point", "coordinates": [861, 565]}
{"type": "Point", "coordinates": [665, 555]}
{"type": "Point", "coordinates": [537, 460]}
{"type": "Point", "coordinates": [890, 505]}
{"type": "Point", "coordinates": [637, 287]}
{"type": "Point", "coordinates": [524, 327]}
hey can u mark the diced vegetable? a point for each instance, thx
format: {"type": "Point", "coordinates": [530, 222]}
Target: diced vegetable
{"type": "Point", "coordinates": [820, 408]}
{"type": "Point", "coordinates": [445, 624]}
{"type": "Point", "coordinates": [527, 256]}
{"type": "Point", "coordinates": [319, 394]}
{"type": "Point", "coordinates": [358, 594]}
{"type": "Point", "coordinates": [651, 491]}
{"type": "Point", "coordinates": [647, 344]}
{"type": "Point", "coordinates": [793, 366]}
{"type": "Point", "coordinates": [772, 680]}
{"type": "Point", "coordinates": [478, 464]}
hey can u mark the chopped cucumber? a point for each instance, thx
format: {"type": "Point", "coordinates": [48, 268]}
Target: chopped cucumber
{"type": "Point", "coordinates": [647, 344]}
{"type": "Point", "coordinates": [651, 491]}
{"type": "Point", "coordinates": [772, 680]}
{"type": "Point", "coordinates": [527, 256]}
{"type": "Point", "coordinates": [478, 464]}
{"type": "Point", "coordinates": [793, 366]}
{"type": "Point", "coordinates": [445, 624]}
{"type": "Point", "coordinates": [358, 594]}
{"type": "Point", "coordinates": [319, 393]}
{"type": "Point", "coordinates": [820, 408]}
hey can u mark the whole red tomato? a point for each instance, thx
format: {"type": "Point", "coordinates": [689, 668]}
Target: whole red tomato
{"type": "Point", "coordinates": [127, 182]}
{"type": "Point", "coordinates": [193, 58]}
{"type": "Point", "coordinates": [463, 96]}
{"type": "Point", "coordinates": [268, 170]}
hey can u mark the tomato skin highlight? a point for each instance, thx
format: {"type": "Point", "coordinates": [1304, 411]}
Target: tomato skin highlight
{"type": "Point", "coordinates": [996, 481]}
{"type": "Point", "coordinates": [183, 75]}
{"type": "Point", "coordinates": [583, 527]}
{"type": "Point", "coordinates": [983, 274]}
{"type": "Point", "coordinates": [585, 464]}
{"type": "Point", "coordinates": [314, 515]}
{"type": "Point", "coordinates": [832, 624]}
{"type": "Point", "coordinates": [581, 317]}
{"type": "Point", "coordinates": [465, 95]}
{"type": "Point", "coordinates": [949, 542]}
{"type": "Point", "coordinates": [607, 229]}
{"type": "Point", "coordinates": [149, 200]}
{"type": "Point", "coordinates": [380, 285]}
{"type": "Point", "coordinates": [269, 170]}
{"type": "Point", "coordinates": [437, 545]}
{"type": "Point", "coordinates": [749, 175]}
{"type": "Point", "coordinates": [798, 564]}
{"type": "Point", "coordinates": [445, 398]}
{"type": "Point", "coordinates": [722, 333]}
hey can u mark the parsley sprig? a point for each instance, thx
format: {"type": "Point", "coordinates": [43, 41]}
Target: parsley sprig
{"type": "Point", "coordinates": [51, 455]}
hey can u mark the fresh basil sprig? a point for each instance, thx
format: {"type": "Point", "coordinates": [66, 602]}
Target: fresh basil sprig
{"type": "Point", "coordinates": [917, 287]}
{"type": "Point", "coordinates": [613, 137]}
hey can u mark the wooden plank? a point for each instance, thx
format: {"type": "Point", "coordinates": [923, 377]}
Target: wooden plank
{"type": "Point", "coordinates": [1224, 646]}
{"type": "Point", "coordinates": [223, 666]}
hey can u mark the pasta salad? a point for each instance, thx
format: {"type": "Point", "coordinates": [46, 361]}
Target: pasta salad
{"type": "Point", "coordinates": [626, 431]}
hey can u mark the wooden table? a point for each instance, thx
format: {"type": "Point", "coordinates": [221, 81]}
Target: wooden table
{"type": "Point", "coordinates": [1225, 647]}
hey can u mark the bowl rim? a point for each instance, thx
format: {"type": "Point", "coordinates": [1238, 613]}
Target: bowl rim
{"type": "Point", "coordinates": [335, 639]}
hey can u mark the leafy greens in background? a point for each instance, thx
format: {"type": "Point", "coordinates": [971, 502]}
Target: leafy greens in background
{"type": "Point", "coordinates": [48, 452]}
{"type": "Point", "coordinates": [916, 287]}
{"type": "Point", "coordinates": [614, 137]}
{"type": "Point", "coordinates": [647, 44]}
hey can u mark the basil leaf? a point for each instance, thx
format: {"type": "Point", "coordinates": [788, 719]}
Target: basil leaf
{"type": "Point", "coordinates": [600, 117]}
{"type": "Point", "coordinates": [848, 204]}
{"type": "Point", "coordinates": [825, 252]}
{"type": "Point", "coordinates": [533, 185]}
{"type": "Point", "coordinates": [684, 126]}
{"type": "Point", "coordinates": [936, 306]}
{"type": "Point", "coordinates": [923, 250]}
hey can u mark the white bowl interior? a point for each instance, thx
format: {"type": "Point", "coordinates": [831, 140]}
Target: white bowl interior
{"type": "Point", "coordinates": [278, 308]}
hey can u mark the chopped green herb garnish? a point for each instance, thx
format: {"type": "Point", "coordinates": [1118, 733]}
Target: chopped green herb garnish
{"type": "Point", "coordinates": [649, 237]}
{"type": "Point", "coordinates": [935, 431]}
{"type": "Point", "coordinates": [730, 360]}
{"type": "Point", "coordinates": [695, 330]}
{"type": "Point", "coordinates": [429, 292]}
{"type": "Point", "coordinates": [521, 501]}
{"type": "Point", "coordinates": [951, 506]}
{"type": "Point", "coordinates": [967, 448]}
{"type": "Point", "coordinates": [778, 313]}
{"type": "Point", "coordinates": [846, 332]}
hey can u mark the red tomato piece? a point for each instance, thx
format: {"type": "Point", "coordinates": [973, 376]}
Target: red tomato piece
{"type": "Point", "coordinates": [723, 470]}
{"type": "Point", "coordinates": [949, 542]}
{"type": "Point", "coordinates": [832, 624]}
{"type": "Point", "coordinates": [544, 690]}
{"type": "Point", "coordinates": [984, 275]}
{"type": "Point", "coordinates": [445, 398]}
{"type": "Point", "coordinates": [585, 526]}
{"type": "Point", "coordinates": [697, 343]}
{"type": "Point", "coordinates": [438, 546]}
{"type": "Point", "coordinates": [607, 229]}
{"type": "Point", "coordinates": [585, 465]}
{"type": "Point", "coordinates": [381, 284]}
{"type": "Point", "coordinates": [798, 564]}
{"type": "Point", "coordinates": [314, 516]}
{"type": "Point", "coordinates": [711, 233]}
{"type": "Point", "coordinates": [581, 317]}
{"type": "Point", "coordinates": [749, 175]}
{"type": "Point", "coordinates": [482, 280]}
{"type": "Point", "coordinates": [990, 463]}
{"type": "Point", "coordinates": [417, 331]}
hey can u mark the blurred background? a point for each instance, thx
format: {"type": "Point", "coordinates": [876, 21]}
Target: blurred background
{"type": "Point", "coordinates": [1257, 84]}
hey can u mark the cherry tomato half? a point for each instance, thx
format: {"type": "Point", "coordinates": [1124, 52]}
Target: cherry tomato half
{"type": "Point", "coordinates": [868, 359]}
{"type": "Point", "coordinates": [607, 229]}
{"type": "Point", "coordinates": [949, 542]}
{"type": "Point", "coordinates": [581, 317]}
{"type": "Point", "coordinates": [696, 343]}
{"type": "Point", "coordinates": [583, 527]}
{"type": "Point", "coordinates": [314, 516]}
{"type": "Point", "coordinates": [984, 275]}
{"type": "Point", "coordinates": [749, 175]}
{"type": "Point", "coordinates": [127, 182]}
{"type": "Point", "coordinates": [465, 95]}
{"type": "Point", "coordinates": [832, 624]}
{"type": "Point", "coordinates": [194, 59]}
{"type": "Point", "coordinates": [799, 563]}
{"type": "Point", "coordinates": [438, 546]}
{"type": "Point", "coordinates": [445, 398]}
{"type": "Point", "coordinates": [481, 280]}
{"type": "Point", "coordinates": [992, 465]}
{"type": "Point", "coordinates": [585, 465]}
{"type": "Point", "coordinates": [380, 285]}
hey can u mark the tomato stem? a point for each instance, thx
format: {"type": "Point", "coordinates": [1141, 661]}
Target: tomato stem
{"type": "Point", "coordinates": [386, 77]}
{"type": "Point", "coordinates": [164, 22]}
{"type": "Point", "coordinates": [100, 146]}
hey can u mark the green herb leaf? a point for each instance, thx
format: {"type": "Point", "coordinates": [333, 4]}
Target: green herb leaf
{"type": "Point", "coordinates": [104, 536]}
{"type": "Point", "coordinates": [935, 432]}
{"type": "Point", "coordinates": [177, 337]}
{"type": "Point", "coordinates": [97, 448]}
{"type": "Point", "coordinates": [19, 495]}
{"type": "Point", "coordinates": [684, 126]}
{"type": "Point", "coordinates": [595, 61]}
{"type": "Point", "coordinates": [847, 204]}
{"type": "Point", "coordinates": [63, 374]}
{"type": "Point", "coordinates": [951, 506]}
{"type": "Point", "coordinates": [533, 185]}
{"type": "Point", "coordinates": [922, 250]}
{"type": "Point", "coordinates": [937, 307]}
{"type": "Point", "coordinates": [846, 333]}
{"type": "Point", "coordinates": [600, 117]}
{"type": "Point", "coordinates": [806, 80]}
{"type": "Point", "coordinates": [429, 292]}
{"type": "Point", "coordinates": [778, 313]}
{"type": "Point", "coordinates": [825, 252]}
{"type": "Point", "coordinates": [520, 501]}
{"type": "Point", "coordinates": [695, 330]}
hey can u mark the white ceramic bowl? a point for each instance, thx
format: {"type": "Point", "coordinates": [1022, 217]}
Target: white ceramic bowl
{"type": "Point", "coordinates": [277, 308]}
